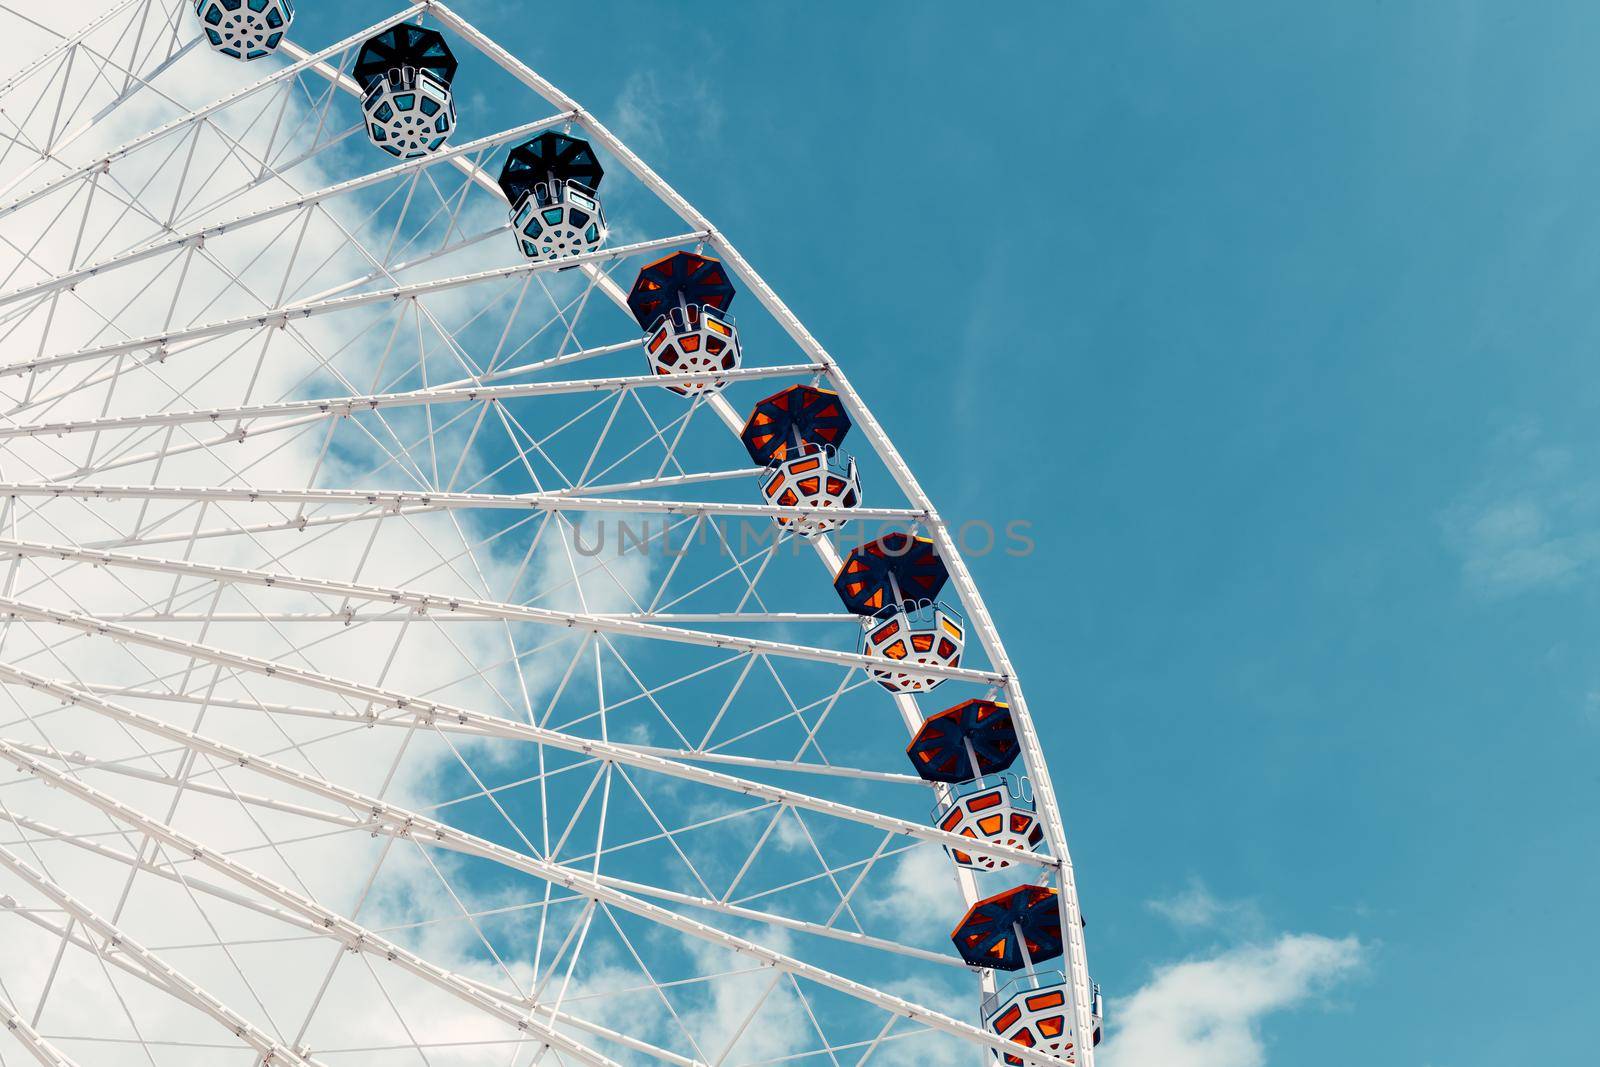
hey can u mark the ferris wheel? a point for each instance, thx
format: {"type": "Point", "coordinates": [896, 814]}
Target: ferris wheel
{"type": "Point", "coordinates": [453, 611]}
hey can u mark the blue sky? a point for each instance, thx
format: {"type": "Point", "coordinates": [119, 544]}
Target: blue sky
{"type": "Point", "coordinates": [1276, 321]}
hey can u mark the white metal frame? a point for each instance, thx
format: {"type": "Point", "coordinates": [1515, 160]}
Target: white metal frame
{"type": "Point", "coordinates": [44, 573]}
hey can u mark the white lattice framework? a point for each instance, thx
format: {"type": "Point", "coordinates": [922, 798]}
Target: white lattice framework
{"type": "Point", "coordinates": [339, 727]}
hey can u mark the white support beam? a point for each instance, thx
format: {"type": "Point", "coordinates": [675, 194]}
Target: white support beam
{"type": "Point", "coordinates": [351, 617]}
{"type": "Point", "coordinates": [284, 314]}
{"type": "Point", "coordinates": [37, 1047]}
{"type": "Point", "coordinates": [190, 784]}
{"type": "Point", "coordinates": [448, 725]}
{"type": "Point", "coordinates": [165, 871]}
{"type": "Point", "coordinates": [399, 500]}
{"type": "Point", "coordinates": [426, 603]}
{"type": "Point", "coordinates": [345, 406]}
{"type": "Point", "coordinates": [65, 43]}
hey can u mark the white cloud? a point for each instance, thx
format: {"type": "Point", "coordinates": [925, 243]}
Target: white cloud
{"type": "Point", "coordinates": [648, 114]}
{"type": "Point", "coordinates": [1196, 907]}
{"type": "Point", "coordinates": [923, 886]}
{"type": "Point", "coordinates": [1529, 523]}
{"type": "Point", "coordinates": [1209, 1012]}
{"type": "Point", "coordinates": [779, 1025]}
